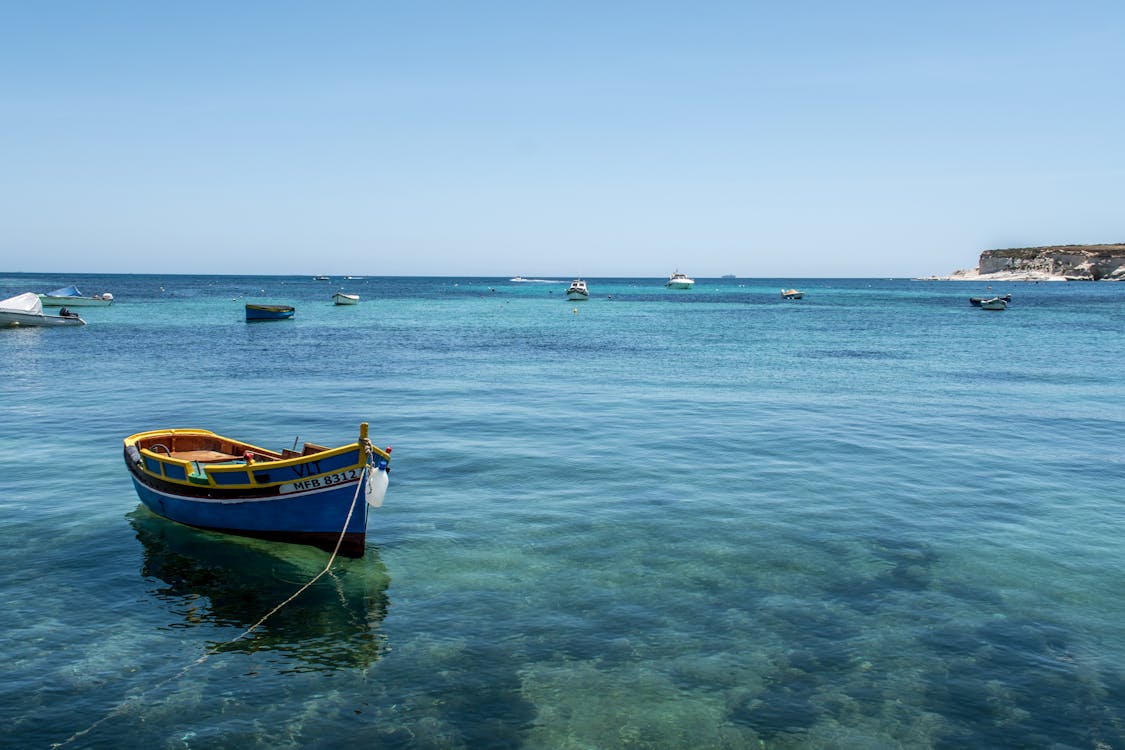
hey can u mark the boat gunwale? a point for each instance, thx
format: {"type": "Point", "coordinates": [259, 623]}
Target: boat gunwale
{"type": "Point", "coordinates": [238, 465]}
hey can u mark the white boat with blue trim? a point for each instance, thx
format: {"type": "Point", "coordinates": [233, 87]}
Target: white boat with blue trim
{"type": "Point", "coordinates": [69, 296]}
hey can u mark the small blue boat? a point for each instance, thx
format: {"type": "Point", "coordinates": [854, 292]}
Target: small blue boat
{"type": "Point", "coordinates": [316, 496]}
{"type": "Point", "coordinates": [269, 312]}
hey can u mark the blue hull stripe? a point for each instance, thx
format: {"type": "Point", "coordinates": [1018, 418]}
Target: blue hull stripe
{"type": "Point", "coordinates": [316, 511]}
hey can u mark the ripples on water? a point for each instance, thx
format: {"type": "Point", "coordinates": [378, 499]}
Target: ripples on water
{"type": "Point", "coordinates": [874, 518]}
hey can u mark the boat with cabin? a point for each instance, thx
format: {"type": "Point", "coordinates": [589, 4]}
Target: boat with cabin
{"type": "Point", "coordinates": [679, 281]}
{"type": "Point", "coordinates": [316, 496]}
{"type": "Point", "coordinates": [791, 294]}
{"type": "Point", "coordinates": [26, 310]}
{"type": "Point", "coordinates": [577, 290]}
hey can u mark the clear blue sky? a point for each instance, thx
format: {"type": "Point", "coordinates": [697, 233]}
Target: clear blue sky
{"type": "Point", "coordinates": [556, 138]}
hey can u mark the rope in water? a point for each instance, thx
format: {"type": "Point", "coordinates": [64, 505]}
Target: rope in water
{"type": "Point", "coordinates": [121, 707]}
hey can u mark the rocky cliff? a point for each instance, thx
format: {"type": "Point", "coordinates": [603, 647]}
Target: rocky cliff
{"type": "Point", "coordinates": [1072, 262]}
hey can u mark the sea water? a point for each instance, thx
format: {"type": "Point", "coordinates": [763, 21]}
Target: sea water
{"type": "Point", "coordinates": [876, 517]}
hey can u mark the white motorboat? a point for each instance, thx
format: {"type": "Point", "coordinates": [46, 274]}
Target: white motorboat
{"type": "Point", "coordinates": [69, 296]}
{"type": "Point", "coordinates": [996, 303]}
{"type": "Point", "coordinates": [976, 301]}
{"type": "Point", "coordinates": [791, 294]}
{"type": "Point", "coordinates": [342, 298]}
{"type": "Point", "coordinates": [679, 281]}
{"type": "Point", "coordinates": [26, 310]}
{"type": "Point", "coordinates": [577, 290]}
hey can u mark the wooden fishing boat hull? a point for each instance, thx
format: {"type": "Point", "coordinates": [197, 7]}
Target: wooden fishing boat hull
{"type": "Point", "coordinates": [341, 298]}
{"type": "Point", "coordinates": [201, 479]}
{"type": "Point", "coordinates": [269, 312]}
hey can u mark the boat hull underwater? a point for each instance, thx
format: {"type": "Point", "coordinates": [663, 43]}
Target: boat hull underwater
{"type": "Point", "coordinates": [318, 496]}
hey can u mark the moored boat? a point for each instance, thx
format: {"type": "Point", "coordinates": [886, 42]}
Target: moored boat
{"type": "Point", "coordinates": [69, 296]}
{"type": "Point", "coordinates": [976, 301]}
{"type": "Point", "coordinates": [316, 496]}
{"type": "Point", "coordinates": [791, 294]}
{"type": "Point", "coordinates": [679, 281]}
{"type": "Point", "coordinates": [342, 298]}
{"type": "Point", "coordinates": [996, 303]}
{"type": "Point", "coordinates": [269, 312]}
{"type": "Point", "coordinates": [27, 310]}
{"type": "Point", "coordinates": [577, 290]}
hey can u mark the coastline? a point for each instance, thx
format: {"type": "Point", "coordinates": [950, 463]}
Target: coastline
{"type": "Point", "coordinates": [974, 274]}
{"type": "Point", "coordinates": [1048, 263]}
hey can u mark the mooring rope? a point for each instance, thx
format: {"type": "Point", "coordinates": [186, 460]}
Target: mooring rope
{"type": "Point", "coordinates": [121, 707]}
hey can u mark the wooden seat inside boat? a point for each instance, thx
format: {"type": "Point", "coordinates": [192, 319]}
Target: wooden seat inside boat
{"type": "Point", "coordinates": [204, 456]}
{"type": "Point", "coordinates": [307, 450]}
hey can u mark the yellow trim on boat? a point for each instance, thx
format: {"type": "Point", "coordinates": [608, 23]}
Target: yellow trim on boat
{"type": "Point", "coordinates": [219, 463]}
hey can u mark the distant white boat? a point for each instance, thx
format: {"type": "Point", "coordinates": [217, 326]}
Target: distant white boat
{"type": "Point", "coordinates": [791, 294]}
{"type": "Point", "coordinates": [321, 278]}
{"type": "Point", "coordinates": [577, 290]}
{"type": "Point", "coordinates": [341, 298]}
{"type": "Point", "coordinates": [996, 303]}
{"type": "Point", "coordinates": [26, 310]}
{"type": "Point", "coordinates": [69, 296]}
{"type": "Point", "coordinates": [679, 281]}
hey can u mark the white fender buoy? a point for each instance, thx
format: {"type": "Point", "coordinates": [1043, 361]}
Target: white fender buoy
{"type": "Point", "coordinates": [377, 481]}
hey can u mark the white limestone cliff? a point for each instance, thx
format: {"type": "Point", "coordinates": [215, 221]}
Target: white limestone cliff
{"type": "Point", "coordinates": [1051, 263]}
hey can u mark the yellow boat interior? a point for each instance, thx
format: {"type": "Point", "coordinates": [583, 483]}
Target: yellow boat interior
{"type": "Point", "coordinates": [201, 457]}
{"type": "Point", "coordinates": [204, 446]}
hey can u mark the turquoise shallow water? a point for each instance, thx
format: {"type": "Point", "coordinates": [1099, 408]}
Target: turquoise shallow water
{"type": "Point", "coordinates": [874, 518]}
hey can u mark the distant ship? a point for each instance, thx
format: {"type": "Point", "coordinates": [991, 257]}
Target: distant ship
{"type": "Point", "coordinates": [728, 276]}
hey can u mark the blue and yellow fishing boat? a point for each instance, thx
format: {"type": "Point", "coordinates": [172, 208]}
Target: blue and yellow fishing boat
{"type": "Point", "coordinates": [317, 496]}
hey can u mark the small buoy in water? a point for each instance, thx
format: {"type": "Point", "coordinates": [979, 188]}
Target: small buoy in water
{"type": "Point", "coordinates": [576, 311]}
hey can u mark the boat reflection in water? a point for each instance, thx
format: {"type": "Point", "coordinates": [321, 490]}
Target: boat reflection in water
{"type": "Point", "coordinates": [224, 582]}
